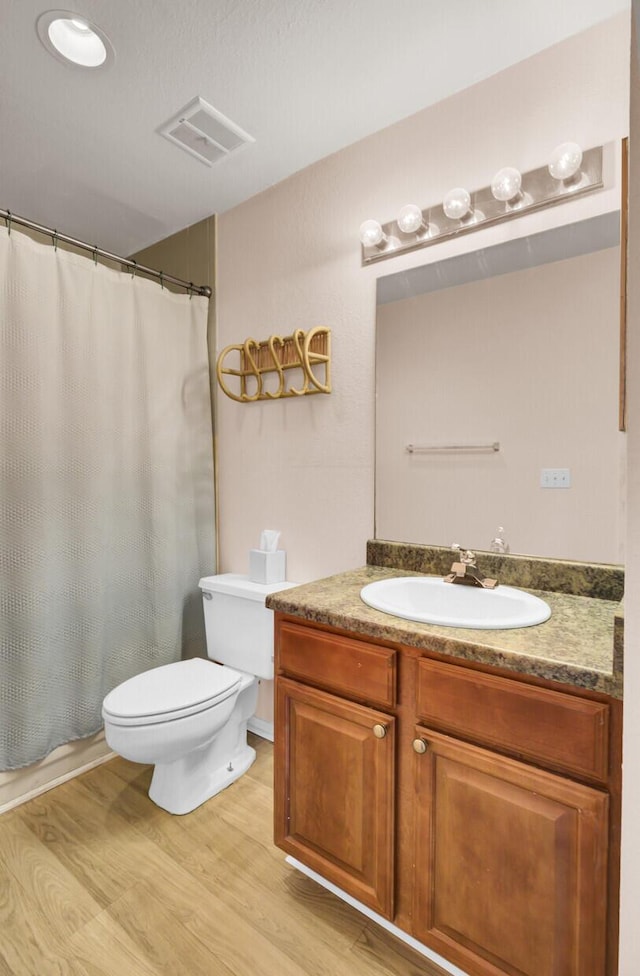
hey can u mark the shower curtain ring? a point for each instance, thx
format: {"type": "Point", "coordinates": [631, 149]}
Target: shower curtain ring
{"type": "Point", "coordinates": [95, 255]}
{"type": "Point", "coordinates": [162, 279]}
{"type": "Point", "coordinates": [8, 222]}
{"type": "Point", "coordinates": [134, 265]}
{"type": "Point", "coordinates": [54, 240]}
{"type": "Point", "coordinates": [191, 290]}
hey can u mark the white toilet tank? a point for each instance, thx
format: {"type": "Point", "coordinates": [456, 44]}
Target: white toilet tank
{"type": "Point", "coordinates": [239, 627]}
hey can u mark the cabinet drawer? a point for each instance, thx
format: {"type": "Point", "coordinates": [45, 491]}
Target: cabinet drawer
{"type": "Point", "coordinates": [562, 731]}
{"type": "Point", "coordinates": [349, 667]}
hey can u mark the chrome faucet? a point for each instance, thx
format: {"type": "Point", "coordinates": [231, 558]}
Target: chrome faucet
{"type": "Point", "coordinates": [464, 570]}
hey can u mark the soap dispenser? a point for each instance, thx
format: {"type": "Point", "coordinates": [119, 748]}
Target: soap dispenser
{"type": "Point", "coordinates": [499, 543]}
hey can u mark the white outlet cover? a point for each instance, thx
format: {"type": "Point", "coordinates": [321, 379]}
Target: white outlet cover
{"type": "Point", "coordinates": [555, 478]}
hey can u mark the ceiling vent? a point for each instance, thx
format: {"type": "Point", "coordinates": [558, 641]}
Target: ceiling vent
{"type": "Point", "coordinates": [204, 132]}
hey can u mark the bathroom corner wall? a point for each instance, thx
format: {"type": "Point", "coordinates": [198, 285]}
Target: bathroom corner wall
{"type": "Point", "coordinates": [190, 254]}
{"type": "Point", "coordinates": [290, 258]}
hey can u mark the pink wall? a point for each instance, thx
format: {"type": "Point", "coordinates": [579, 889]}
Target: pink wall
{"type": "Point", "coordinates": [289, 258]}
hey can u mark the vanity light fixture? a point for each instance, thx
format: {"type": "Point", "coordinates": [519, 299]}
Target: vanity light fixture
{"type": "Point", "coordinates": [569, 173]}
{"type": "Point", "coordinates": [457, 206]}
{"type": "Point", "coordinates": [411, 221]}
{"type": "Point", "coordinates": [565, 162]}
{"type": "Point", "coordinates": [73, 39]}
{"type": "Point", "coordinates": [457, 203]}
{"type": "Point", "coordinates": [506, 185]}
{"type": "Point", "coordinates": [372, 235]}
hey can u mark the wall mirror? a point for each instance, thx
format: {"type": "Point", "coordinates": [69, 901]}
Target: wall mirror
{"type": "Point", "coordinates": [497, 378]}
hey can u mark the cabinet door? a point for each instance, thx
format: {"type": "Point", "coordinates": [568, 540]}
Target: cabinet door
{"type": "Point", "coordinates": [510, 863]}
{"type": "Point", "coordinates": [334, 776]}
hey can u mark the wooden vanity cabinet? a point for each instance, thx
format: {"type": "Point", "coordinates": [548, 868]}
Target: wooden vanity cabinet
{"type": "Point", "coordinates": [504, 791]}
{"type": "Point", "coordinates": [335, 762]}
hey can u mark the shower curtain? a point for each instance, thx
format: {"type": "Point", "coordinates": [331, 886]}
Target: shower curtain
{"type": "Point", "coordinates": [106, 488]}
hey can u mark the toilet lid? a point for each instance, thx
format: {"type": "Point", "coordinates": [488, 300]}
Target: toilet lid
{"type": "Point", "coordinates": [169, 692]}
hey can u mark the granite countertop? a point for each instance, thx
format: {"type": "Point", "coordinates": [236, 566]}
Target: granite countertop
{"type": "Point", "coordinates": [580, 645]}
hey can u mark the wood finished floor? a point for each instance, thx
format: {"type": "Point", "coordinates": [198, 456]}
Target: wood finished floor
{"type": "Point", "coordinates": [95, 880]}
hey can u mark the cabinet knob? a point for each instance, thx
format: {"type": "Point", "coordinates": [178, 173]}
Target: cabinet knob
{"type": "Point", "coordinates": [379, 731]}
{"type": "Point", "coordinates": [419, 746]}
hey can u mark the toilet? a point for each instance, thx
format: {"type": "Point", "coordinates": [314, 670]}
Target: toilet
{"type": "Point", "coordinates": [189, 719]}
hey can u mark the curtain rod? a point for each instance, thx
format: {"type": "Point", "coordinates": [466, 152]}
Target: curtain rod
{"type": "Point", "coordinates": [11, 218]}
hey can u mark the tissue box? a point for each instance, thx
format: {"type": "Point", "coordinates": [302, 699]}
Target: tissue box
{"type": "Point", "coordinates": [267, 567]}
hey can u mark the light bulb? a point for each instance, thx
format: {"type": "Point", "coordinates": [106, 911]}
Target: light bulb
{"type": "Point", "coordinates": [457, 203]}
{"type": "Point", "coordinates": [410, 219]}
{"type": "Point", "coordinates": [506, 184]}
{"type": "Point", "coordinates": [372, 234]}
{"type": "Point", "coordinates": [565, 161]}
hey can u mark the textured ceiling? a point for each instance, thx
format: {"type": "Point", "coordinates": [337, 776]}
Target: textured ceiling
{"type": "Point", "coordinates": [80, 150]}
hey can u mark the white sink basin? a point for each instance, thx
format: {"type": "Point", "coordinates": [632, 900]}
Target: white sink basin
{"type": "Point", "coordinates": [430, 600]}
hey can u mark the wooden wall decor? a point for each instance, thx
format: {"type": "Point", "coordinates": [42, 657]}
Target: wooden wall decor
{"type": "Point", "coordinates": [300, 363]}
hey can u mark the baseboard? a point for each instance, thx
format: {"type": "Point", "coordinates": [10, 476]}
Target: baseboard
{"type": "Point", "coordinates": [378, 919]}
{"type": "Point", "coordinates": [20, 785]}
{"type": "Point", "coordinates": [259, 727]}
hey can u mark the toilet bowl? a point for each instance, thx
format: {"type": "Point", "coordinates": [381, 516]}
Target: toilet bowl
{"type": "Point", "coordinates": [189, 719]}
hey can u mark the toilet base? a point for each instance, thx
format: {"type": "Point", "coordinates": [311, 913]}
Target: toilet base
{"type": "Point", "coordinates": [183, 785]}
{"type": "Point", "coordinates": [167, 792]}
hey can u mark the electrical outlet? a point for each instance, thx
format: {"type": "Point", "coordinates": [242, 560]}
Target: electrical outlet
{"type": "Point", "coordinates": [555, 478]}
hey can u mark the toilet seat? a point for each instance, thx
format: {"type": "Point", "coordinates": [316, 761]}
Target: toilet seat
{"type": "Point", "coordinates": [170, 692]}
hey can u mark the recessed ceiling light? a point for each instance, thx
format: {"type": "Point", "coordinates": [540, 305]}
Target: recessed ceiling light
{"type": "Point", "coordinates": [73, 39]}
